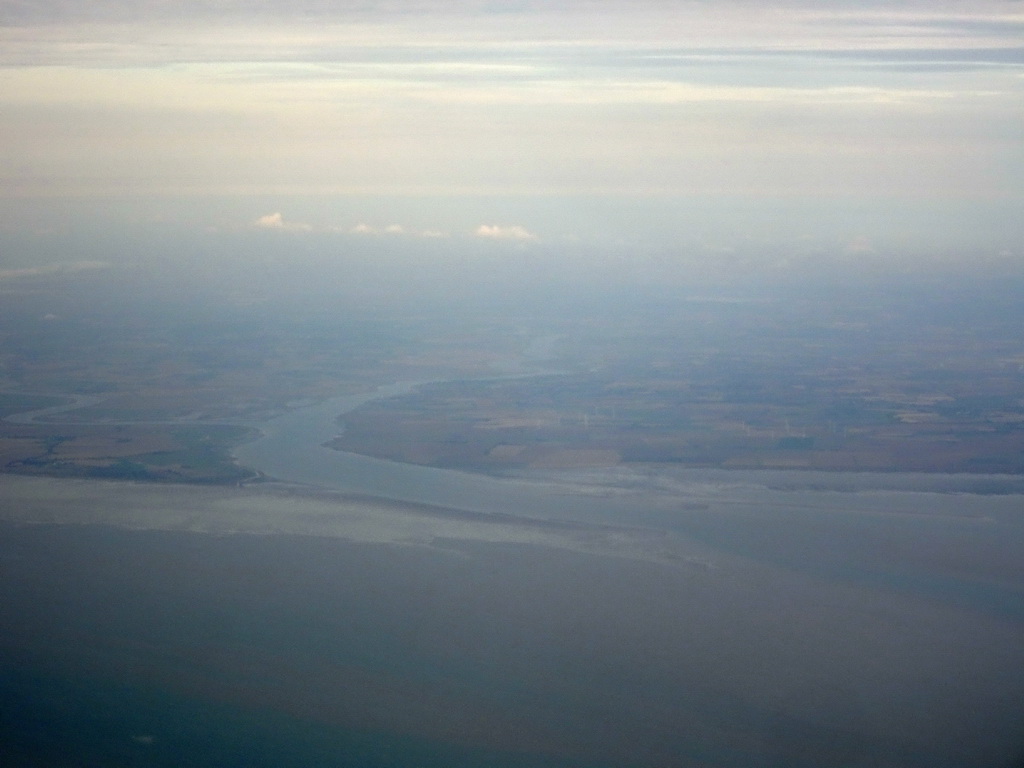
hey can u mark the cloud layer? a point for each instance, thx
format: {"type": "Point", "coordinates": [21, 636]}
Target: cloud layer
{"type": "Point", "coordinates": [849, 101]}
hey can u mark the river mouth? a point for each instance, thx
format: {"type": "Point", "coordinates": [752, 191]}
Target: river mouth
{"type": "Point", "coordinates": [366, 612]}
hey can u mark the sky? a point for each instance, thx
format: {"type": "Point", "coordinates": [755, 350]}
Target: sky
{"type": "Point", "coordinates": [702, 135]}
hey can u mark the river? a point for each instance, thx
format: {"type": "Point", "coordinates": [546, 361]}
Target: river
{"type": "Point", "coordinates": [857, 527]}
{"type": "Point", "coordinates": [685, 617]}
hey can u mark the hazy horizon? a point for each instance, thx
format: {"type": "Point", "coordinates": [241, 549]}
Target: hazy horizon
{"type": "Point", "coordinates": [700, 138]}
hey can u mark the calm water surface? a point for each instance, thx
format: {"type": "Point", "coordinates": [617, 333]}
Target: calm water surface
{"type": "Point", "coordinates": [834, 620]}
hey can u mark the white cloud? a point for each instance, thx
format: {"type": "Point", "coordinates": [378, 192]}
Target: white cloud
{"type": "Point", "coordinates": [498, 232]}
{"type": "Point", "coordinates": [392, 229]}
{"type": "Point", "coordinates": [270, 221]}
{"type": "Point", "coordinates": [276, 221]}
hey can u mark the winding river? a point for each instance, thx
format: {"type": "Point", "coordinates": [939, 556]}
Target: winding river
{"type": "Point", "coordinates": [838, 525]}
{"type": "Point", "coordinates": [861, 528]}
{"type": "Point", "coordinates": [291, 448]}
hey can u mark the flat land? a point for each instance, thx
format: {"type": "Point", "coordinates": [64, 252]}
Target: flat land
{"type": "Point", "coordinates": [862, 381]}
{"type": "Point", "coordinates": [771, 386]}
{"type": "Point", "coordinates": [165, 392]}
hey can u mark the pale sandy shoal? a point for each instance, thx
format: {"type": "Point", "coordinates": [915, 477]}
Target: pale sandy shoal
{"type": "Point", "coordinates": [282, 509]}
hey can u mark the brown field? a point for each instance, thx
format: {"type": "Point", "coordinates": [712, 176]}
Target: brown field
{"type": "Point", "coordinates": [859, 384]}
